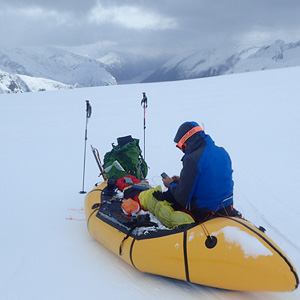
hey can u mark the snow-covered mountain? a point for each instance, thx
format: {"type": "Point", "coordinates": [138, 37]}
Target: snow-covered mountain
{"type": "Point", "coordinates": [206, 63]}
{"type": "Point", "coordinates": [125, 66]}
{"type": "Point", "coordinates": [12, 83]}
{"type": "Point", "coordinates": [55, 64]}
{"type": "Point", "coordinates": [89, 66]}
{"type": "Point", "coordinates": [130, 68]}
{"type": "Point", "coordinates": [274, 56]}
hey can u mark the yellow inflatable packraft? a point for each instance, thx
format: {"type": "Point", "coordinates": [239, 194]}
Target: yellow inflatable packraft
{"type": "Point", "coordinates": [223, 252]}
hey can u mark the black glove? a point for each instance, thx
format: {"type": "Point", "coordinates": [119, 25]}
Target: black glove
{"type": "Point", "coordinates": [161, 196]}
{"type": "Point", "coordinates": [158, 195]}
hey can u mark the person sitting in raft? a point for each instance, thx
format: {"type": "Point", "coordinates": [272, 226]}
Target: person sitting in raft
{"type": "Point", "coordinates": [205, 185]}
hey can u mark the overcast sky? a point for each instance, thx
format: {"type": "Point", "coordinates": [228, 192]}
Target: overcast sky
{"type": "Point", "coordinates": [149, 26]}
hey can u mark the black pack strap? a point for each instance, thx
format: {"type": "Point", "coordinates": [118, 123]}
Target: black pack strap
{"type": "Point", "coordinates": [125, 238]}
{"type": "Point", "coordinates": [140, 221]}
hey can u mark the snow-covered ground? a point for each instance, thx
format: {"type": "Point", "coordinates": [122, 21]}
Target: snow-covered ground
{"type": "Point", "coordinates": [46, 251]}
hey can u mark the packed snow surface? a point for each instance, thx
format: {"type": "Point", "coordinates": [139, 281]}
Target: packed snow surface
{"type": "Point", "coordinates": [46, 250]}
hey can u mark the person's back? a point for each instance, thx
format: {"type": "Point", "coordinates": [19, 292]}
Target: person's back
{"type": "Point", "coordinates": [213, 186]}
{"type": "Point", "coordinates": [206, 184]}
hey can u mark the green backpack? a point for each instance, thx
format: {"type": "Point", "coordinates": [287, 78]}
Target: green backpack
{"type": "Point", "coordinates": [125, 158]}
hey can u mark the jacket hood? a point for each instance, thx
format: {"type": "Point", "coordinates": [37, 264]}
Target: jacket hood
{"type": "Point", "coordinates": [183, 129]}
{"type": "Point", "coordinates": [193, 139]}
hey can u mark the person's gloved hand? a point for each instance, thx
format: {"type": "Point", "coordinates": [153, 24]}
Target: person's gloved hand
{"type": "Point", "coordinates": [176, 179]}
{"type": "Point", "coordinates": [167, 181]}
{"type": "Point", "coordinates": [158, 195]}
{"type": "Point", "coordinates": [161, 196]}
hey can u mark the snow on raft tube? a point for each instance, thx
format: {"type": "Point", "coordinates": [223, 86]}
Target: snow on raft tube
{"type": "Point", "coordinates": [228, 253]}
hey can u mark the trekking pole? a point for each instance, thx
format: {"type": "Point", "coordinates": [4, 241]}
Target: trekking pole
{"type": "Point", "coordinates": [88, 115]}
{"type": "Point", "coordinates": [144, 105]}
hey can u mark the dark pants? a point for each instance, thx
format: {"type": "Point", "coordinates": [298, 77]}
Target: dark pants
{"type": "Point", "coordinates": [204, 213]}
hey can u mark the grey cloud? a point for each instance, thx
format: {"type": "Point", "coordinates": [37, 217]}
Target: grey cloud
{"type": "Point", "coordinates": [169, 25]}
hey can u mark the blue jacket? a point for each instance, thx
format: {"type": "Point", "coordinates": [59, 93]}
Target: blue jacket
{"type": "Point", "coordinates": [206, 176]}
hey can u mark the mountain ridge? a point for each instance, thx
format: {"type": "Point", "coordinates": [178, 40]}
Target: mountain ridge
{"type": "Point", "coordinates": [55, 64]}
{"type": "Point", "coordinates": [13, 83]}
{"type": "Point", "coordinates": [203, 63]}
{"type": "Point", "coordinates": [87, 67]}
